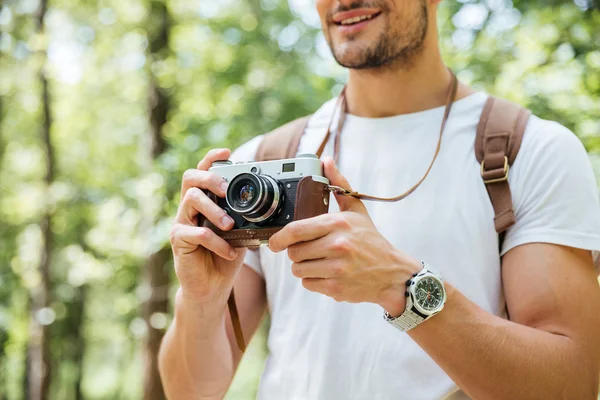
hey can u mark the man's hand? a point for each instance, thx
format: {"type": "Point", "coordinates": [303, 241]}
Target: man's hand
{"type": "Point", "coordinates": [205, 263]}
{"type": "Point", "coordinates": [343, 256]}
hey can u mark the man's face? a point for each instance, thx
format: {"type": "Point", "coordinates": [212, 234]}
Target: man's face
{"type": "Point", "coordinates": [373, 33]}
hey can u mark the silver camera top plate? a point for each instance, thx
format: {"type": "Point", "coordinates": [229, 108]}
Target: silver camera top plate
{"type": "Point", "coordinates": [292, 168]}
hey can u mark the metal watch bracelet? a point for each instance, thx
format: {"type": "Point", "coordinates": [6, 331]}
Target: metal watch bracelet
{"type": "Point", "coordinates": [411, 317]}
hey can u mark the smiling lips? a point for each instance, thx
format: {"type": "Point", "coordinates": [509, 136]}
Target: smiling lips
{"type": "Point", "coordinates": [354, 16]}
{"type": "Point", "coordinates": [354, 20]}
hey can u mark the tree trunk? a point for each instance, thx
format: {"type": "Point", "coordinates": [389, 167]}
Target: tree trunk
{"type": "Point", "coordinates": [156, 274]}
{"type": "Point", "coordinates": [156, 271]}
{"type": "Point", "coordinates": [79, 342]}
{"type": "Point", "coordinates": [2, 140]}
{"type": "Point", "coordinates": [3, 381]}
{"type": "Point", "coordinates": [39, 351]}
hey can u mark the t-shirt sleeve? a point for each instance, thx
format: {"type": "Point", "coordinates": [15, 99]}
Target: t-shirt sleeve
{"type": "Point", "coordinates": [555, 194]}
{"type": "Point", "coordinates": [247, 152]}
{"type": "Point", "coordinates": [252, 260]}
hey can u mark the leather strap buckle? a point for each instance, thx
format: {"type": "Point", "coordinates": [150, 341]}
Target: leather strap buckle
{"type": "Point", "coordinates": [492, 176]}
{"type": "Point", "coordinates": [340, 190]}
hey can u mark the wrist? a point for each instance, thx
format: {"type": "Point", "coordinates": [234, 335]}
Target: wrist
{"type": "Point", "coordinates": [394, 303]}
{"type": "Point", "coordinates": [196, 313]}
{"type": "Point", "coordinates": [393, 298]}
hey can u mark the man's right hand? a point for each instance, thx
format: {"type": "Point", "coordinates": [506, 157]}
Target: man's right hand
{"type": "Point", "coordinates": [205, 264]}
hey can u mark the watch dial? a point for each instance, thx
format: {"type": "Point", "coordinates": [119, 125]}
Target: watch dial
{"type": "Point", "coordinates": [429, 294]}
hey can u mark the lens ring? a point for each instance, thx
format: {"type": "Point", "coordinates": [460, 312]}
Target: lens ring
{"type": "Point", "coordinates": [235, 189]}
{"type": "Point", "coordinates": [274, 204]}
{"type": "Point", "coordinates": [258, 206]}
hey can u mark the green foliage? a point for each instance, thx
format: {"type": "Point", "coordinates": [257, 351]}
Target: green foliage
{"type": "Point", "coordinates": [235, 69]}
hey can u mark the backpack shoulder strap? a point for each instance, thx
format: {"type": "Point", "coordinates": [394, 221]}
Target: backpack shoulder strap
{"type": "Point", "coordinates": [282, 142]}
{"type": "Point", "coordinates": [499, 136]}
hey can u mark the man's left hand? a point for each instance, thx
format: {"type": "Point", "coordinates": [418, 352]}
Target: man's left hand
{"type": "Point", "coordinates": [342, 255]}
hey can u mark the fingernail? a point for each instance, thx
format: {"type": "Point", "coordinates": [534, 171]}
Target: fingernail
{"type": "Point", "coordinates": [224, 185]}
{"type": "Point", "coordinates": [233, 253]}
{"type": "Point", "coordinates": [226, 221]}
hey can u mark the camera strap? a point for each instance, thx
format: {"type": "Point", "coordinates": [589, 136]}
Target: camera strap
{"type": "Point", "coordinates": [342, 104]}
{"type": "Point", "coordinates": [499, 136]}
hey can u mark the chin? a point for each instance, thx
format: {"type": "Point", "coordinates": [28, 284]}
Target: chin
{"type": "Point", "coordinates": [348, 60]}
{"type": "Point", "coordinates": [357, 60]}
{"type": "Point", "coordinates": [350, 55]}
{"type": "Point", "coordinates": [351, 63]}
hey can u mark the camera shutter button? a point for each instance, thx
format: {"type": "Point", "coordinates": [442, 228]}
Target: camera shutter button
{"type": "Point", "coordinates": [307, 155]}
{"type": "Point", "coordinates": [222, 162]}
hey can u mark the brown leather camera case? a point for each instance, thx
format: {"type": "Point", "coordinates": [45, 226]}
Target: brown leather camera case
{"type": "Point", "coordinates": [312, 199]}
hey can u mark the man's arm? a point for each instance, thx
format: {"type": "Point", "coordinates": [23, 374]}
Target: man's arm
{"type": "Point", "coordinates": [199, 354]}
{"type": "Point", "coordinates": [197, 359]}
{"type": "Point", "coordinates": [549, 349]}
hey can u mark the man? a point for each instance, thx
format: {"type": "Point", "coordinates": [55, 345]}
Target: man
{"type": "Point", "coordinates": [522, 323]}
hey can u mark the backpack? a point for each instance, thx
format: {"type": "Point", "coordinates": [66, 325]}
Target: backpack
{"type": "Point", "coordinates": [499, 136]}
{"type": "Point", "coordinates": [497, 143]}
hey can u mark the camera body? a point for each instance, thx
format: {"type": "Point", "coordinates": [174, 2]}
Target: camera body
{"type": "Point", "coordinates": [264, 196]}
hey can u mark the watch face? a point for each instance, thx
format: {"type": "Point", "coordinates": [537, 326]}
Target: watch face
{"type": "Point", "coordinates": [429, 294]}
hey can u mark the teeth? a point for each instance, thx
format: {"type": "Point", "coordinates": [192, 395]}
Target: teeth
{"type": "Point", "coordinates": [354, 20]}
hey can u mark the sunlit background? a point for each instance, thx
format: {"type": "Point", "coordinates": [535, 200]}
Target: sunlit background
{"type": "Point", "coordinates": [104, 104]}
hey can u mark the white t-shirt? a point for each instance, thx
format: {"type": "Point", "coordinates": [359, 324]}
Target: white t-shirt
{"type": "Point", "coordinates": [320, 349]}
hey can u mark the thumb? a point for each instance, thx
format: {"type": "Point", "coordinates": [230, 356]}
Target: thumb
{"type": "Point", "coordinates": [346, 203]}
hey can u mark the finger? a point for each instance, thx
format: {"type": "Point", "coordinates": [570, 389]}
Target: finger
{"type": "Point", "coordinates": [197, 202]}
{"type": "Point", "coordinates": [203, 180]}
{"type": "Point", "coordinates": [337, 179]}
{"type": "Point", "coordinates": [328, 287]}
{"type": "Point", "coordinates": [212, 156]}
{"type": "Point", "coordinates": [185, 235]}
{"type": "Point", "coordinates": [311, 250]}
{"type": "Point", "coordinates": [323, 268]}
{"type": "Point", "coordinates": [301, 231]}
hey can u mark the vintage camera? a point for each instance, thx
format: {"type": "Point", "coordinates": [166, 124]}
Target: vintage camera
{"type": "Point", "coordinates": [263, 197]}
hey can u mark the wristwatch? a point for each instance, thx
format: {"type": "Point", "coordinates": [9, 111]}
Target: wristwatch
{"type": "Point", "coordinates": [425, 297]}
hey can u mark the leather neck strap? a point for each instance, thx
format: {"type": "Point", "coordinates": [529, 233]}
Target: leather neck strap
{"type": "Point", "coordinates": [342, 104]}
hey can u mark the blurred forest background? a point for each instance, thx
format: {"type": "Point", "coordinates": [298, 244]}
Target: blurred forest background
{"type": "Point", "coordinates": [104, 104]}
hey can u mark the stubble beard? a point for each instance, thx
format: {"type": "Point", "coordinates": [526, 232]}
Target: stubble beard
{"type": "Point", "coordinates": [394, 48]}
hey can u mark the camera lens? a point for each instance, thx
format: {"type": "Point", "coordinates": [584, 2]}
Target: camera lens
{"type": "Point", "coordinates": [247, 193]}
{"type": "Point", "coordinates": [244, 192]}
{"type": "Point", "coordinates": [257, 198]}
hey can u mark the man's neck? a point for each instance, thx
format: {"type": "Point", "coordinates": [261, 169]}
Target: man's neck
{"type": "Point", "coordinates": [391, 91]}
